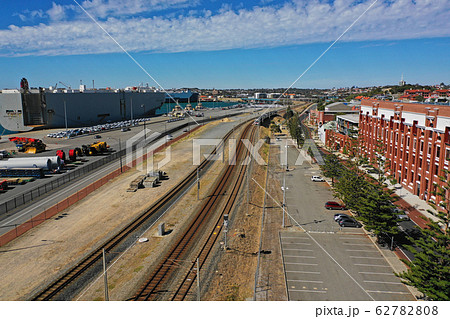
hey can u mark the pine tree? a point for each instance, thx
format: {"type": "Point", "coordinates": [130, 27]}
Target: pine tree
{"type": "Point", "coordinates": [332, 167]}
{"type": "Point", "coordinates": [429, 272]}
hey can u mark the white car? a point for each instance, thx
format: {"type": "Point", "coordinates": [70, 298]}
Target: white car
{"type": "Point", "coordinates": [317, 179]}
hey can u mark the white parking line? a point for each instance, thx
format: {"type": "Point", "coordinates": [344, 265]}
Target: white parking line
{"type": "Point", "coordinates": [301, 264]}
{"type": "Point", "coordinates": [296, 244]}
{"type": "Point", "coordinates": [298, 249]}
{"type": "Point", "coordinates": [282, 237]}
{"type": "Point", "coordinates": [366, 257]}
{"type": "Point", "coordinates": [372, 265]}
{"type": "Point", "coordinates": [384, 282]}
{"type": "Point", "coordinates": [304, 272]}
{"type": "Point", "coordinates": [376, 273]}
{"type": "Point", "coordinates": [300, 256]}
{"type": "Point", "coordinates": [311, 281]}
{"type": "Point", "coordinates": [389, 292]}
{"type": "Point", "coordinates": [357, 244]}
{"type": "Point", "coordinates": [297, 290]}
{"type": "Point", "coordinates": [365, 251]}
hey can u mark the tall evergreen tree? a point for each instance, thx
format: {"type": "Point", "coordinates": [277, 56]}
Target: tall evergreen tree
{"type": "Point", "coordinates": [429, 272]}
{"type": "Point", "coordinates": [332, 167]}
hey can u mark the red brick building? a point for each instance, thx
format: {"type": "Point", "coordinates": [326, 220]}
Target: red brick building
{"type": "Point", "coordinates": [416, 138]}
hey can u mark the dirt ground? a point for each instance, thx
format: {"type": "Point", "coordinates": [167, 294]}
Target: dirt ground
{"type": "Point", "coordinates": [233, 277]}
{"type": "Point", "coordinates": [39, 256]}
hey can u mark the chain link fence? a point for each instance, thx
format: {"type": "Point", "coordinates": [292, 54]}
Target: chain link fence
{"type": "Point", "coordinates": [56, 182]}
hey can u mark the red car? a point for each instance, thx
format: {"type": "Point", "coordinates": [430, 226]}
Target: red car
{"type": "Point", "coordinates": [334, 205]}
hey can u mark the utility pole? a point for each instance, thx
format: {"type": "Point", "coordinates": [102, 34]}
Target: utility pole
{"type": "Point", "coordinates": [198, 186]}
{"type": "Point", "coordinates": [65, 116]}
{"type": "Point", "coordinates": [131, 108]}
{"type": "Point", "coordinates": [198, 280]}
{"type": "Point", "coordinates": [120, 156]}
{"type": "Point", "coordinates": [284, 196]}
{"type": "Point", "coordinates": [225, 230]}
{"type": "Point", "coordinates": [105, 276]}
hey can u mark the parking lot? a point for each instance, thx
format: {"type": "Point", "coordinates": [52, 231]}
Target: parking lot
{"type": "Point", "coordinates": [326, 266]}
{"type": "Point", "coordinates": [323, 261]}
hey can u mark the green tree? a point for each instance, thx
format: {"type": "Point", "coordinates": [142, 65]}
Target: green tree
{"type": "Point", "coordinates": [429, 271]}
{"type": "Point", "coordinates": [289, 113]}
{"type": "Point", "coordinates": [332, 167]}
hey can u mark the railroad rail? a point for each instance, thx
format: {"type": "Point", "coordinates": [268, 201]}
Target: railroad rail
{"type": "Point", "coordinates": [93, 258]}
{"type": "Point", "coordinates": [164, 271]}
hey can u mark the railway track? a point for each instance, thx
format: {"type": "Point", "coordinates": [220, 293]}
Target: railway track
{"type": "Point", "coordinates": [164, 271]}
{"type": "Point", "coordinates": [94, 258]}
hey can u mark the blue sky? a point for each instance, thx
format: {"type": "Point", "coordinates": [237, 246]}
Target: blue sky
{"type": "Point", "coordinates": [224, 44]}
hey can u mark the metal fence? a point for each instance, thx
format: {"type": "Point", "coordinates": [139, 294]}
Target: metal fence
{"type": "Point", "coordinates": [56, 182]}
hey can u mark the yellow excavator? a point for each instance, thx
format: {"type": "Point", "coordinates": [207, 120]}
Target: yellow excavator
{"type": "Point", "coordinates": [28, 145]}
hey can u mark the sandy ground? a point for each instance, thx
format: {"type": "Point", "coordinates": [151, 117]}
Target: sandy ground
{"type": "Point", "coordinates": [39, 256]}
{"type": "Point", "coordinates": [233, 277]}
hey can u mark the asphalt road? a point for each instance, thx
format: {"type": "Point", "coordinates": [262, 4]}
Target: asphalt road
{"type": "Point", "coordinates": [155, 125]}
{"type": "Point", "coordinates": [40, 205]}
{"type": "Point", "coordinates": [322, 261]}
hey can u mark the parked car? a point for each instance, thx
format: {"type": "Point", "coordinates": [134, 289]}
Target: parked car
{"type": "Point", "coordinates": [317, 179]}
{"type": "Point", "coordinates": [349, 223]}
{"type": "Point", "coordinates": [340, 216]}
{"type": "Point", "coordinates": [334, 205]}
{"type": "Point", "coordinates": [97, 136]}
{"type": "Point", "coordinates": [169, 137]}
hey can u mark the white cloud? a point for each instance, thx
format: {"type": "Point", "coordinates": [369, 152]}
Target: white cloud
{"type": "Point", "coordinates": [115, 8]}
{"type": "Point", "coordinates": [57, 12]}
{"type": "Point", "coordinates": [294, 22]}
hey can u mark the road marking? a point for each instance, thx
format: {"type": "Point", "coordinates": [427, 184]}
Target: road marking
{"type": "Point", "coordinates": [384, 282]}
{"type": "Point", "coordinates": [366, 257]}
{"type": "Point", "coordinates": [376, 273]}
{"type": "Point", "coordinates": [357, 244]}
{"type": "Point", "coordinates": [298, 290]}
{"type": "Point", "coordinates": [311, 281]}
{"type": "Point", "coordinates": [372, 265]}
{"type": "Point", "coordinates": [300, 256]}
{"type": "Point", "coordinates": [298, 249]}
{"type": "Point", "coordinates": [302, 237]}
{"type": "Point", "coordinates": [304, 272]}
{"type": "Point", "coordinates": [389, 292]}
{"type": "Point", "coordinates": [365, 251]}
{"type": "Point", "coordinates": [297, 244]}
{"type": "Point", "coordinates": [287, 263]}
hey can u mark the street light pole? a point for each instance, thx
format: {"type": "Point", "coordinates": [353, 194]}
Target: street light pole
{"type": "Point", "coordinates": [120, 156]}
{"type": "Point", "coordinates": [198, 280]}
{"type": "Point", "coordinates": [65, 116]}
{"type": "Point", "coordinates": [198, 186]}
{"type": "Point", "coordinates": [105, 276]}
{"type": "Point", "coordinates": [145, 131]}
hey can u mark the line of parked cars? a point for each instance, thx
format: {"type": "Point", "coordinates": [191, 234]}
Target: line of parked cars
{"type": "Point", "coordinates": [345, 220]}
{"type": "Point", "coordinates": [124, 125]}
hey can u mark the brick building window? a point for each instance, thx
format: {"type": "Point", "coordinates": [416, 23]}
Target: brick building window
{"type": "Point", "coordinates": [438, 151]}
{"type": "Point", "coordinates": [428, 166]}
{"type": "Point", "coordinates": [436, 169]}
{"type": "Point", "coordinates": [421, 146]}
{"type": "Point", "coordinates": [415, 143]}
{"type": "Point", "coordinates": [447, 154]}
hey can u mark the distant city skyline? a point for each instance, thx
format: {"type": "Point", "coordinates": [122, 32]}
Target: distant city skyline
{"type": "Point", "coordinates": [224, 44]}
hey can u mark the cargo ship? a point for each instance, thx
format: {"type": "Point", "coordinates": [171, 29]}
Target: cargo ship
{"type": "Point", "coordinates": [181, 96]}
{"type": "Point", "coordinates": [26, 109]}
